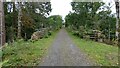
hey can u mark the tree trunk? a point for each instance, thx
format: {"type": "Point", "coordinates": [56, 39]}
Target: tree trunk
{"type": "Point", "coordinates": [19, 19]}
{"type": "Point", "coordinates": [13, 24]}
{"type": "Point", "coordinates": [2, 24]}
{"type": "Point", "coordinates": [117, 21]}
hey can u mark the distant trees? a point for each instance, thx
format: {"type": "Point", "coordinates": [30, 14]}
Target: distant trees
{"type": "Point", "coordinates": [90, 20]}
{"type": "Point", "coordinates": [55, 22]}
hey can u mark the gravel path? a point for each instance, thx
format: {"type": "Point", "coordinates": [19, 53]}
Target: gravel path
{"type": "Point", "coordinates": [64, 53]}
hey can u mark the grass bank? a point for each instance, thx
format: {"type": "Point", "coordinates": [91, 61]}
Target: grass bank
{"type": "Point", "coordinates": [23, 53]}
{"type": "Point", "coordinates": [102, 54]}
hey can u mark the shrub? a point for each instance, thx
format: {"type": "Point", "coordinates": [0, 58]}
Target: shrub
{"type": "Point", "coordinates": [86, 37]}
{"type": "Point", "coordinates": [50, 33]}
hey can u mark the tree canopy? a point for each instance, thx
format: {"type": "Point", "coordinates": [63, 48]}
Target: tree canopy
{"type": "Point", "coordinates": [89, 17]}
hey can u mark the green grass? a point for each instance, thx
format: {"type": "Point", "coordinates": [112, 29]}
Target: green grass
{"type": "Point", "coordinates": [102, 54]}
{"type": "Point", "coordinates": [23, 53]}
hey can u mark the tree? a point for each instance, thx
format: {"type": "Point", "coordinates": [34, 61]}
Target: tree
{"type": "Point", "coordinates": [2, 24]}
{"type": "Point", "coordinates": [117, 20]}
{"type": "Point", "coordinates": [91, 18]}
{"type": "Point", "coordinates": [11, 15]}
{"type": "Point", "coordinates": [19, 19]}
{"type": "Point", "coordinates": [24, 18]}
{"type": "Point", "coordinates": [55, 22]}
{"type": "Point", "coordinates": [34, 17]}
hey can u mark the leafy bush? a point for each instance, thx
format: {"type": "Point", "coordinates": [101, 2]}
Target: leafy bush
{"type": "Point", "coordinates": [86, 37]}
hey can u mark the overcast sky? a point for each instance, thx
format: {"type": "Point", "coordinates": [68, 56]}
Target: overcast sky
{"type": "Point", "coordinates": [62, 7]}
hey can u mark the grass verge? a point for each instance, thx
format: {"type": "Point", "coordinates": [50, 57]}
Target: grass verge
{"type": "Point", "coordinates": [23, 53]}
{"type": "Point", "coordinates": [102, 54]}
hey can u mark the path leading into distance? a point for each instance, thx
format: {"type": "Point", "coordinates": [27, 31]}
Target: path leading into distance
{"type": "Point", "coordinates": [63, 52]}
